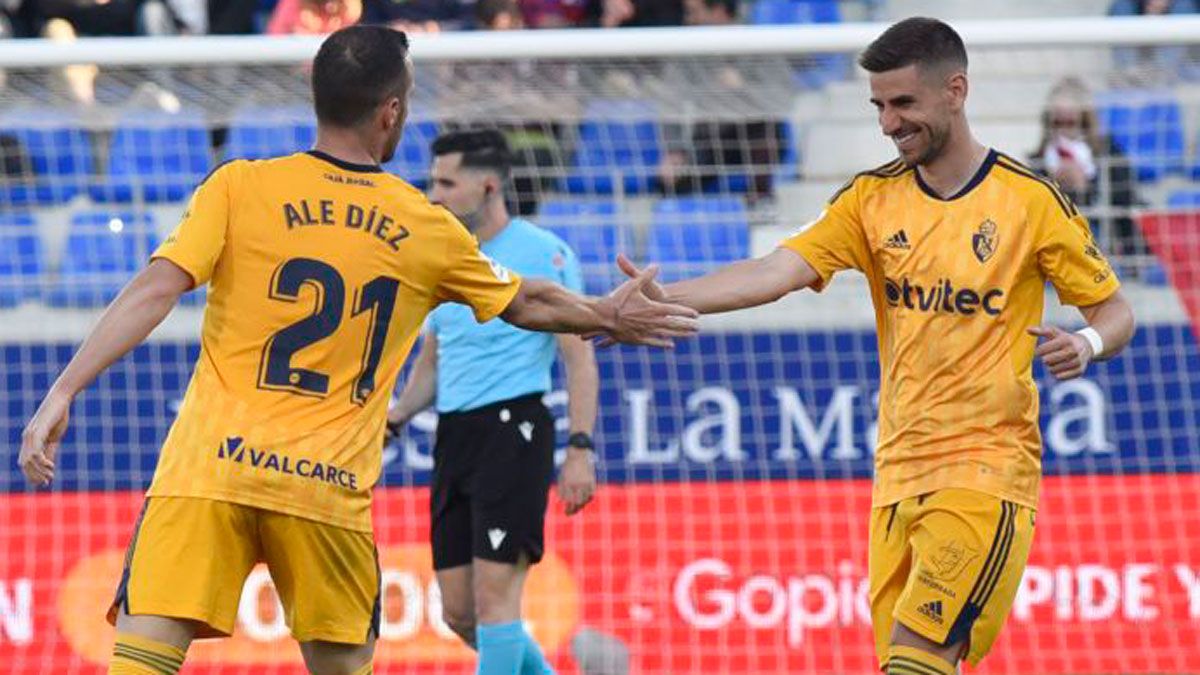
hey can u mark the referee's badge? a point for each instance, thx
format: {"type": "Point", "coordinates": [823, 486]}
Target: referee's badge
{"type": "Point", "coordinates": [984, 242]}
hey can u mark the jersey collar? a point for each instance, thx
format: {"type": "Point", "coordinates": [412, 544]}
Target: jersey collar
{"type": "Point", "coordinates": [342, 164]}
{"type": "Point", "coordinates": [980, 174]}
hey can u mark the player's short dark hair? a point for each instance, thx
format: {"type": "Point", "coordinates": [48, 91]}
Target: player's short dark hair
{"type": "Point", "coordinates": [355, 70]}
{"type": "Point", "coordinates": [487, 11]}
{"type": "Point", "coordinates": [481, 149]}
{"type": "Point", "coordinates": [917, 40]}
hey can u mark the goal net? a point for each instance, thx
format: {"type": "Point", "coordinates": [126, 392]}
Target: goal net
{"type": "Point", "coordinates": [729, 532]}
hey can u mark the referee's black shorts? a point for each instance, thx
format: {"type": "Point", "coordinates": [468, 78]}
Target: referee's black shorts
{"type": "Point", "coordinates": [492, 469]}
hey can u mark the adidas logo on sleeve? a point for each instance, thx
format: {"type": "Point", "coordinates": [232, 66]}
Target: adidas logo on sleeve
{"type": "Point", "coordinates": [898, 240]}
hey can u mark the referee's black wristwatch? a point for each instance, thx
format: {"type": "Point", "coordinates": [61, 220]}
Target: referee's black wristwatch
{"type": "Point", "coordinates": [580, 440]}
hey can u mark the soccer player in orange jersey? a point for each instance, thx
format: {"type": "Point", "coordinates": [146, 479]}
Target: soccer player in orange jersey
{"type": "Point", "coordinates": [321, 269]}
{"type": "Point", "coordinates": [957, 241]}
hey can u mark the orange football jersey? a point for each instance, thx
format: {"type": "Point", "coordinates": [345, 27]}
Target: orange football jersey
{"type": "Point", "coordinates": [320, 276]}
{"type": "Point", "coordinates": [956, 283]}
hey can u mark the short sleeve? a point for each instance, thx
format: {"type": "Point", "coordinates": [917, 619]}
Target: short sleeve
{"type": "Point", "coordinates": [571, 273]}
{"type": "Point", "coordinates": [471, 278]}
{"type": "Point", "coordinates": [1070, 259]}
{"type": "Point", "coordinates": [836, 240]}
{"type": "Point", "coordinates": [199, 238]}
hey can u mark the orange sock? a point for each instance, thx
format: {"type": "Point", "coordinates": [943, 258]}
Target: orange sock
{"type": "Point", "coordinates": [912, 661]}
{"type": "Point", "coordinates": [137, 655]}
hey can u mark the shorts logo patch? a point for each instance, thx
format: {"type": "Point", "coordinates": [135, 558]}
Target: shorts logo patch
{"type": "Point", "coordinates": [932, 610]}
{"type": "Point", "coordinates": [526, 429]}
{"type": "Point", "coordinates": [496, 537]}
{"type": "Point", "coordinates": [949, 560]}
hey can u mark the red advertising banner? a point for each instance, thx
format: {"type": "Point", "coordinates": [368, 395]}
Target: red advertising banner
{"type": "Point", "coordinates": [765, 577]}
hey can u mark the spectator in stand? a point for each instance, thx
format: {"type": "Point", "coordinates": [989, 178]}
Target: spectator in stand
{"type": "Point", "coordinates": [231, 17]}
{"type": "Point", "coordinates": [174, 17]}
{"type": "Point", "coordinates": [711, 153]}
{"type": "Point", "coordinates": [644, 13]}
{"type": "Point", "coordinates": [9, 10]}
{"type": "Point", "coordinates": [1088, 166]}
{"type": "Point", "coordinates": [313, 17]}
{"type": "Point", "coordinates": [710, 12]}
{"type": "Point", "coordinates": [201, 17]}
{"type": "Point", "coordinates": [90, 17]}
{"type": "Point", "coordinates": [555, 13]}
{"type": "Point", "coordinates": [419, 16]}
{"type": "Point", "coordinates": [66, 20]}
{"type": "Point", "coordinates": [1155, 65]}
{"type": "Point", "coordinates": [498, 15]}
{"type": "Point", "coordinates": [10, 27]}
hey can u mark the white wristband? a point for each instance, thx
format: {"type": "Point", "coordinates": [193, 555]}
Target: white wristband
{"type": "Point", "coordinates": [1093, 339]}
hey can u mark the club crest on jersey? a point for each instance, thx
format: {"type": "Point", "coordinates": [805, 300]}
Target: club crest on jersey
{"type": "Point", "coordinates": [984, 242]}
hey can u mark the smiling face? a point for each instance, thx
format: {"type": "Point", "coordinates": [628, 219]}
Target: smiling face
{"type": "Point", "coordinates": [917, 108]}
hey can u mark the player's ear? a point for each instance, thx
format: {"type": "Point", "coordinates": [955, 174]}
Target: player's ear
{"type": "Point", "coordinates": [391, 113]}
{"type": "Point", "coordinates": [401, 111]}
{"type": "Point", "coordinates": [956, 90]}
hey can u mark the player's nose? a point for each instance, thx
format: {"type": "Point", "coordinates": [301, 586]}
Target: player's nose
{"type": "Point", "coordinates": [890, 123]}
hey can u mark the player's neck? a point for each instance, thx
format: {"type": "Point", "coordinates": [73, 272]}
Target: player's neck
{"type": "Point", "coordinates": [495, 219]}
{"type": "Point", "coordinates": [344, 145]}
{"type": "Point", "coordinates": [950, 173]}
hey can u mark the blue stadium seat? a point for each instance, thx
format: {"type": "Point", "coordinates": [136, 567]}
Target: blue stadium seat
{"type": "Point", "coordinates": [156, 157]}
{"type": "Point", "coordinates": [413, 154]}
{"type": "Point", "coordinates": [104, 250]}
{"type": "Point", "coordinates": [1184, 199]}
{"type": "Point", "coordinates": [1148, 128]}
{"type": "Point", "coordinates": [54, 153]}
{"type": "Point", "coordinates": [693, 234]}
{"type": "Point", "coordinates": [591, 229]}
{"type": "Point", "coordinates": [1155, 275]}
{"type": "Point", "coordinates": [817, 69]}
{"type": "Point", "coordinates": [259, 132]}
{"type": "Point", "coordinates": [786, 170]}
{"type": "Point", "coordinates": [1195, 168]}
{"type": "Point", "coordinates": [619, 140]}
{"type": "Point", "coordinates": [21, 258]}
{"type": "Point", "coordinates": [795, 11]}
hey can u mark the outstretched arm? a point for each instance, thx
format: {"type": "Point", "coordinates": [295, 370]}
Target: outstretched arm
{"type": "Point", "coordinates": [1067, 355]}
{"type": "Point", "coordinates": [627, 315]}
{"type": "Point", "coordinates": [743, 284]}
{"type": "Point", "coordinates": [143, 304]}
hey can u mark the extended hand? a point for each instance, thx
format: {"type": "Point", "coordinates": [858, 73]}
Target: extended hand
{"type": "Point", "coordinates": [642, 320]}
{"type": "Point", "coordinates": [577, 480]}
{"type": "Point", "coordinates": [652, 288]}
{"type": "Point", "coordinates": [40, 441]}
{"type": "Point", "coordinates": [1067, 355]}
